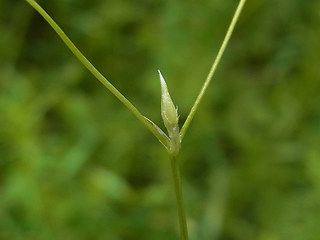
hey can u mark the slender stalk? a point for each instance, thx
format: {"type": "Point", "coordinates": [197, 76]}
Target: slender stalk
{"type": "Point", "coordinates": [179, 197]}
{"type": "Point", "coordinates": [96, 73]}
{"type": "Point", "coordinates": [213, 68]}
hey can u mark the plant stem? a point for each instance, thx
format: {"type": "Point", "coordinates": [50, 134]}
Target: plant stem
{"type": "Point", "coordinates": [96, 73]}
{"type": "Point", "coordinates": [179, 197]}
{"type": "Point", "coordinates": [213, 68]}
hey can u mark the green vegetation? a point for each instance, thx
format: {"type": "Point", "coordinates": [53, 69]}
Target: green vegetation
{"type": "Point", "coordinates": [75, 164]}
{"type": "Point", "coordinates": [172, 140]}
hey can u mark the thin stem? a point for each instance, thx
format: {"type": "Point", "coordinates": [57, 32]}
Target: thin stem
{"type": "Point", "coordinates": [97, 74]}
{"type": "Point", "coordinates": [213, 69]}
{"type": "Point", "coordinates": [179, 197]}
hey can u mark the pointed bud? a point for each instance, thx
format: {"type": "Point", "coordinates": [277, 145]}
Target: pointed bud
{"type": "Point", "coordinates": [168, 111]}
{"type": "Point", "coordinates": [170, 118]}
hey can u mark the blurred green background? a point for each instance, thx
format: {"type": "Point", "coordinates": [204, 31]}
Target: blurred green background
{"type": "Point", "coordinates": [76, 164]}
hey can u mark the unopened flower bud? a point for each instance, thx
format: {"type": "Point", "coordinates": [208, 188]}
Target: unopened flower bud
{"type": "Point", "coordinates": [168, 111]}
{"type": "Point", "coordinates": [170, 117]}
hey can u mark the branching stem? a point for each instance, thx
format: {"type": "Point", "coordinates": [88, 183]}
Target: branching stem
{"type": "Point", "coordinates": [213, 69]}
{"type": "Point", "coordinates": [96, 73]}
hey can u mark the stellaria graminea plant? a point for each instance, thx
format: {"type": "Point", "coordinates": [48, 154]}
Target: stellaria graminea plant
{"type": "Point", "coordinates": [172, 140]}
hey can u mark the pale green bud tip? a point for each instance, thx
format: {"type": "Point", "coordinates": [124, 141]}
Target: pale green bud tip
{"type": "Point", "coordinates": [168, 110]}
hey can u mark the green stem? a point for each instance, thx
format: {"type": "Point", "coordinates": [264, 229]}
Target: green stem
{"type": "Point", "coordinates": [179, 197]}
{"type": "Point", "coordinates": [213, 69]}
{"type": "Point", "coordinates": [96, 73]}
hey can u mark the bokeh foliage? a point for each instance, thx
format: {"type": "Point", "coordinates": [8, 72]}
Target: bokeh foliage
{"type": "Point", "coordinates": [75, 164]}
